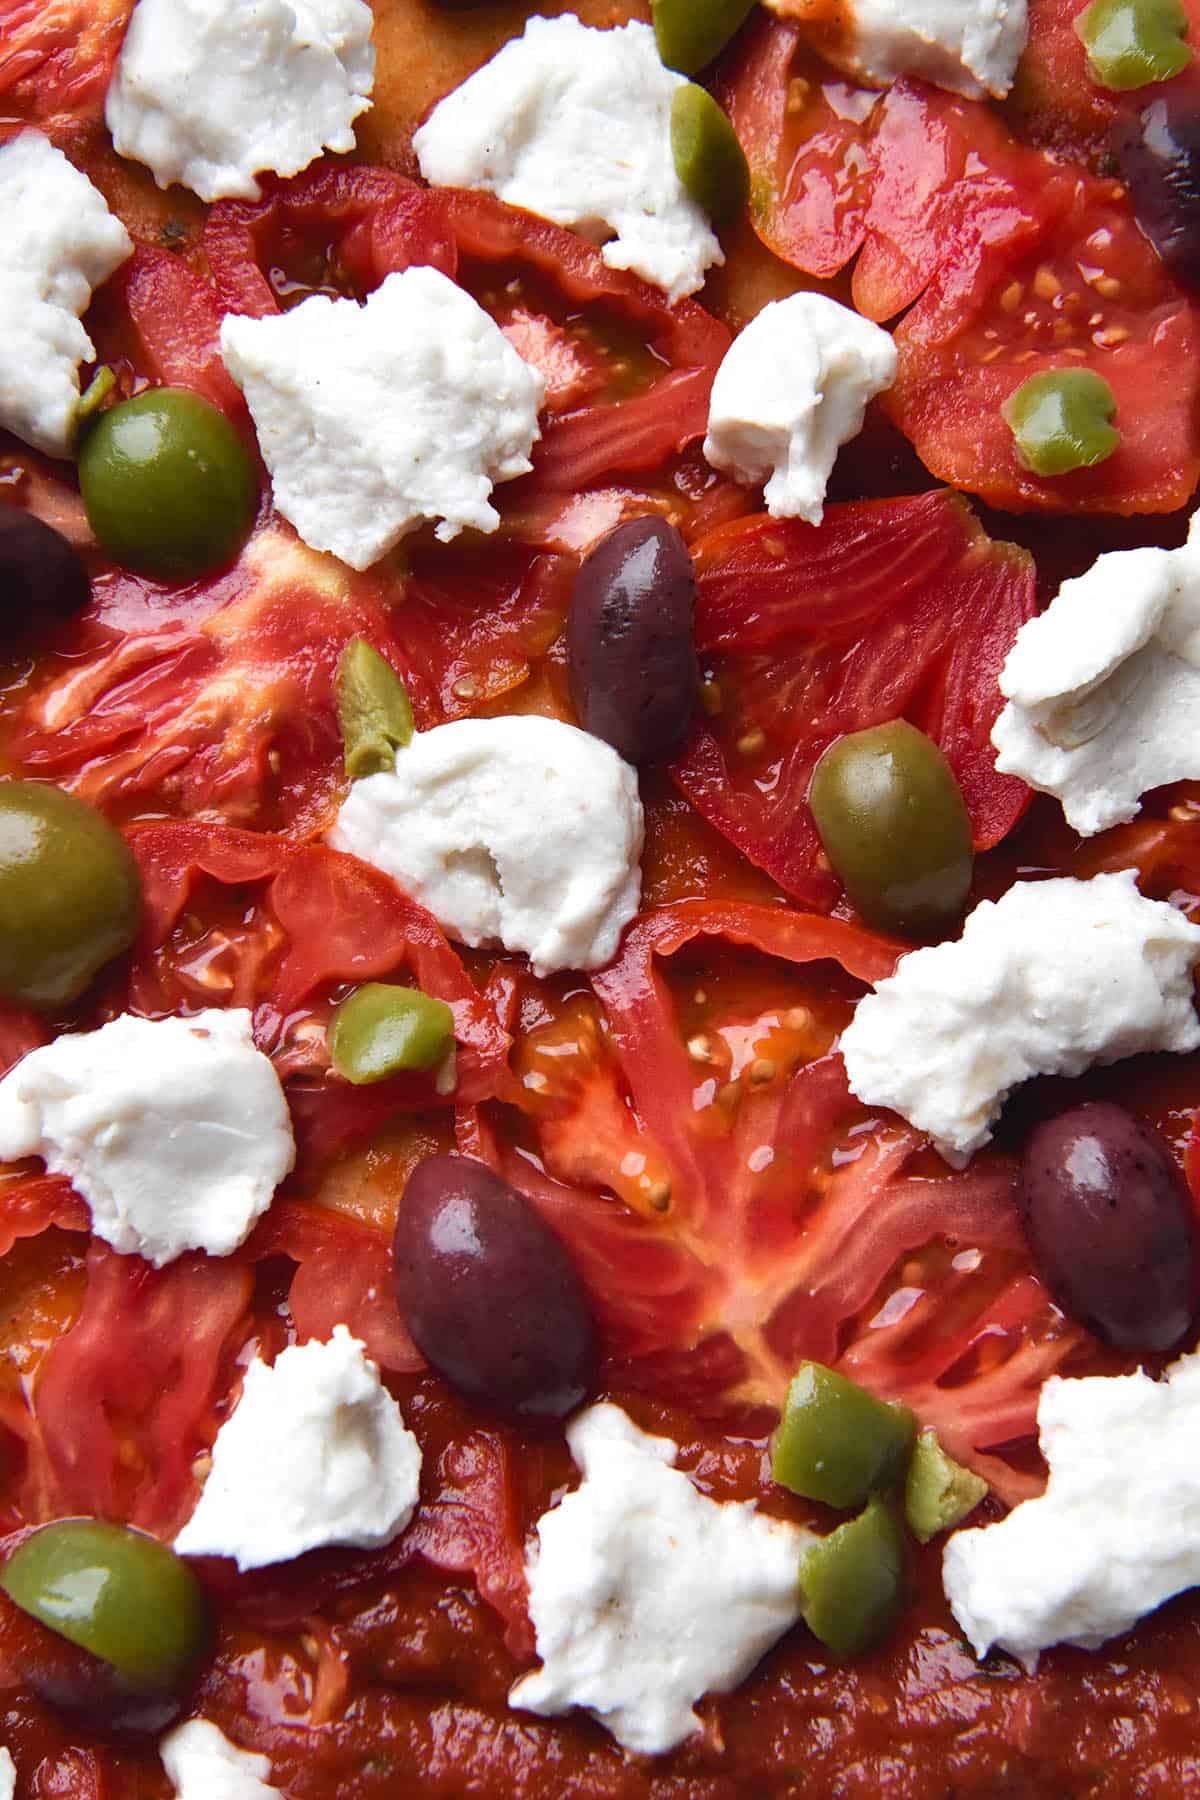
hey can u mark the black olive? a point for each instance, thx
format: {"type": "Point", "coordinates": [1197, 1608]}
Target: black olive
{"type": "Point", "coordinates": [1159, 156]}
{"type": "Point", "coordinates": [42, 580]}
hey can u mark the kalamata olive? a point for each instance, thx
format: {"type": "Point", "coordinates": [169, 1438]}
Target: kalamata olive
{"type": "Point", "coordinates": [42, 579]}
{"type": "Point", "coordinates": [1159, 154]}
{"type": "Point", "coordinates": [1110, 1224]}
{"type": "Point", "coordinates": [634, 672]}
{"type": "Point", "coordinates": [489, 1293]}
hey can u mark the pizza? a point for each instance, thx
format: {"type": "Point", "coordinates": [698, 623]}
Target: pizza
{"type": "Point", "coordinates": [599, 888]}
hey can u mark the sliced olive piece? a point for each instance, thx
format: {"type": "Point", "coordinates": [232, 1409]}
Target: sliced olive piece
{"type": "Point", "coordinates": [854, 1583]}
{"type": "Point", "coordinates": [939, 1492]}
{"type": "Point", "coordinates": [836, 1442]}
{"type": "Point", "coordinates": [1132, 43]}
{"type": "Point", "coordinates": [894, 825]}
{"type": "Point", "coordinates": [373, 710]}
{"type": "Point", "coordinates": [42, 579]}
{"type": "Point", "coordinates": [382, 1030]}
{"type": "Point", "coordinates": [1159, 157]}
{"type": "Point", "coordinates": [709, 161]}
{"type": "Point", "coordinates": [1062, 421]}
{"type": "Point", "coordinates": [690, 33]}
{"type": "Point", "coordinates": [115, 1592]}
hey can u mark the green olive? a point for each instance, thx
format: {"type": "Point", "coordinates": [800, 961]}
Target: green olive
{"type": "Point", "coordinates": [836, 1442]}
{"type": "Point", "coordinates": [708, 158]}
{"type": "Point", "coordinates": [690, 33]}
{"type": "Point", "coordinates": [854, 1583]}
{"type": "Point", "coordinates": [168, 484]}
{"type": "Point", "coordinates": [115, 1592]}
{"type": "Point", "coordinates": [381, 1030]}
{"type": "Point", "coordinates": [939, 1493]}
{"type": "Point", "coordinates": [373, 710]}
{"type": "Point", "coordinates": [895, 827]}
{"type": "Point", "coordinates": [70, 894]}
{"type": "Point", "coordinates": [1062, 421]}
{"type": "Point", "coordinates": [1133, 43]}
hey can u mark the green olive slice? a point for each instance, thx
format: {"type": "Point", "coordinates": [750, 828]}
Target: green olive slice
{"type": "Point", "coordinates": [1062, 421]}
{"type": "Point", "coordinates": [690, 33]}
{"type": "Point", "coordinates": [1133, 43]}
{"type": "Point", "coordinates": [939, 1493]}
{"type": "Point", "coordinates": [836, 1442]}
{"type": "Point", "coordinates": [854, 1583]}
{"type": "Point", "coordinates": [382, 1030]}
{"type": "Point", "coordinates": [373, 710]}
{"type": "Point", "coordinates": [709, 161]}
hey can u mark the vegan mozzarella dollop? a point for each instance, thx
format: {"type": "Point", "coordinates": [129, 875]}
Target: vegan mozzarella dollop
{"type": "Point", "coordinates": [202, 1764]}
{"type": "Point", "coordinates": [523, 832]}
{"type": "Point", "coordinates": [971, 47]}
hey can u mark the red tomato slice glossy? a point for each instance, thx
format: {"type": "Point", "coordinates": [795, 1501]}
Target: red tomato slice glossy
{"type": "Point", "coordinates": [1056, 102]}
{"type": "Point", "coordinates": [56, 56]}
{"type": "Point", "coordinates": [889, 609]}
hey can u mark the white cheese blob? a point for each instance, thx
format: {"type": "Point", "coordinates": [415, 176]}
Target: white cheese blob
{"type": "Point", "coordinates": [210, 93]}
{"type": "Point", "coordinates": [1116, 1533]}
{"type": "Point", "coordinates": [1104, 687]}
{"type": "Point", "coordinates": [971, 47]}
{"type": "Point", "coordinates": [645, 1595]}
{"type": "Point", "coordinates": [575, 124]}
{"type": "Point", "coordinates": [60, 242]}
{"type": "Point", "coordinates": [8, 1776]}
{"type": "Point", "coordinates": [373, 418]}
{"type": "Point", "coordinates": [202, 1764]}
{"type": "Point", "coordinates": [1052, 978]}
{"type": "Point", "coordinates": [315, 1452]}
{"type": "Point", "coordinates": [792, 389]}
{"type": "Point", "coordinates": [517, 831]}
{"type": "Point", "coordinates": [175, 1131]}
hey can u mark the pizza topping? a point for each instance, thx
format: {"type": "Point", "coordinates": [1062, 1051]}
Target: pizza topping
{"type": "Point", "coordinates": [70, 899]}
{"type": "Point", "coordinates": [575, 124]}
{"type": "Point", "coordinates": [971, 47]}
{"type": "Point", "coordinates": [315, 1452]}
{"type": "Point", "coordinates": [1116, 1533]}
{"type": "Point", "coordinates": [372, 418]}
{"type": "Point", "coordinates": [633, 667]}
{"type": "Point", "coordinates": [118, 1594]}
{"type": "Point", "coordinates": [60, 242]}
{"type": "Point", "coordinates": [210, 93]}
{"type": "Point", "coordinates": [636, 1559]}
{"type": "Point", "coordinates": [381, 1030]}
{"type": "Point", "coordinates": [709, 161]}
{"type": "Point", "coordinates": [203, 1765]}
{"type": "Point", "coordinates": [836, 1443]}
{"type": "Point", "coordinates": [1132, 43]}
{"type": "Point", "coordinates": [175, 1131]}
{"type": "Point", "coordinates": [1160, 162]}
{"type": "Point", "coordinates": [791, 390]}
{"type": "Point", "coordinates": [374, 711]}
{"type": "Point", "coordinates": [895, 827]}
{"type": "Point", "coordinates": [8, 1776]}
{"type": "Point", "coordinates": [938, 1492]}
{"type": "Point", "coordinates": [1111, 1225]}
{"type": "Point", "coordinates": [1103, 688]}
{"type": "Point", "coordinates": [854, 1584]}
{"type": "Point", "coordinates": [1051, 979]}
{"type": "Point", "coordinates": [42, 576]}
{"type": "Point", "coordinates": [518, 831]}
{"type": "Point", "coordinates": [1062, 420]}
{"type": "Point", "coordinates": [490, 1294]}
{"type": "Point", "coordinates": [692, 33]}
{"type": "Point", "coordinates": [168, 484]}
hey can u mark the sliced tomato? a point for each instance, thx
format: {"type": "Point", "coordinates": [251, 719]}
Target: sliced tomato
{"type": "Point", "coordinates": [56, 56]}
{"type": "Point", "coordinates": [167, 318]}
{"type": "Point", "coordinates": [889, 609]}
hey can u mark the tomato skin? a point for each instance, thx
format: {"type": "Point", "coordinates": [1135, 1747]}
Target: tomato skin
{"type": "Point", "coordinates": [177, 318]}
{"type": "Point", "coordinates": [56, 56]}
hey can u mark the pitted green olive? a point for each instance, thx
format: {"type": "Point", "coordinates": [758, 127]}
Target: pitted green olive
{"type": "Point", "coordinates": [854, 1583]}
{"type": "Point", "coordinates": [382, 1030]}
{"type": "Point", "coordinates": [690, 33]}
{"type": "Point", "coordinates": [1062, 420]}
{"type": "Point", "coordinates": [708, 158]}
{"type": "Point", "coordinates": [70, 894]}
{"type": "Point", "coordinates": [836, 1442]}
{"type": "Point", "coordinates": [373, 710]}
{"type": "Point", "coordinates": [1134, 43]}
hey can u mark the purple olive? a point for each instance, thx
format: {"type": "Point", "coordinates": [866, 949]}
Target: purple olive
{"type": "Point", "coordinates": [1159, 157]}
{"type": "Point", "coordinates": [42, 580]}
{"type": "Point", "coordinates": [634, 671]}
{"type": "Point", "coordinates": [489, 1293]}
{"type": "Point", "coordinates": [1110, 1223]}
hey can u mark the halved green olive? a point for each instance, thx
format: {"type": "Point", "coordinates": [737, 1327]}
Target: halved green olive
{"type": "Point", "coordinates": [836, 1442]}
{"type": "Point", "coordinates": [382, 1030]}
{"type": "Point", "coordinates": [854, 1583]}
{"type": "Point", "coordinates": [709, 161]}
{"type": "Point", "coordinates": [1133, 43]}
{"type": "Point", "coordinates": [895, 827]}
{"type": "Point", "coordinates": [70, 894]}
{"type": "Point", "coordinates": [939, 1493]}
{"type": "Point", "coordinates": [690, 33]}
{"type": "Point", "coordinates": [1062, 420]}
{"type": "Point", "coordinates": [168, 484]}
{"type": "Point", "coordinates": [373, 710]}
{"type": "Point", "coordinates": [115, 1592]}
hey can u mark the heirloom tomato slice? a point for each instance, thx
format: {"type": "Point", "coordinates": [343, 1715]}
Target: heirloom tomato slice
{"type": "Point", "coordinates": [1055, 100]}
{"type": "Point", "coordinates": [888, 609]}
{"type": "Point", "coordinates": [56, 56]}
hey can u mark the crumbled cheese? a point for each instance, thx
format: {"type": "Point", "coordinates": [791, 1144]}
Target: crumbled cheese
{"type": "Point", "coordinates": [1116, 1533]}
{"type": "Point", "coordinates": [8, 1776]}
{"type": "Point", "coordinates": [60, 242]}
{"type": "Point", "coordinates": [1104, 687]}
{"type": "Point", "coordinates": [315, 1452]}
{"type": "Point", "coordinates": [1054, 977]}
{"type": "Point", "coordinates": [373, 418]}
{"type": "Point", "coordinates": [792, 389]}
{"type": "Point", "coordinates": [175, 1131]}
{"type": "Point", "coordinates": [210, 93]}
{"type": "Point", "coordinates": [575, 124]}
{"type": "Point", "coordinates": [517, 831]}
{"type": "Point", "coordinates": [645, 1595]}
{"type": "Point", "coordinates": [202, 1764]}
{"type": "Point", "coordinates": [971, 47]}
